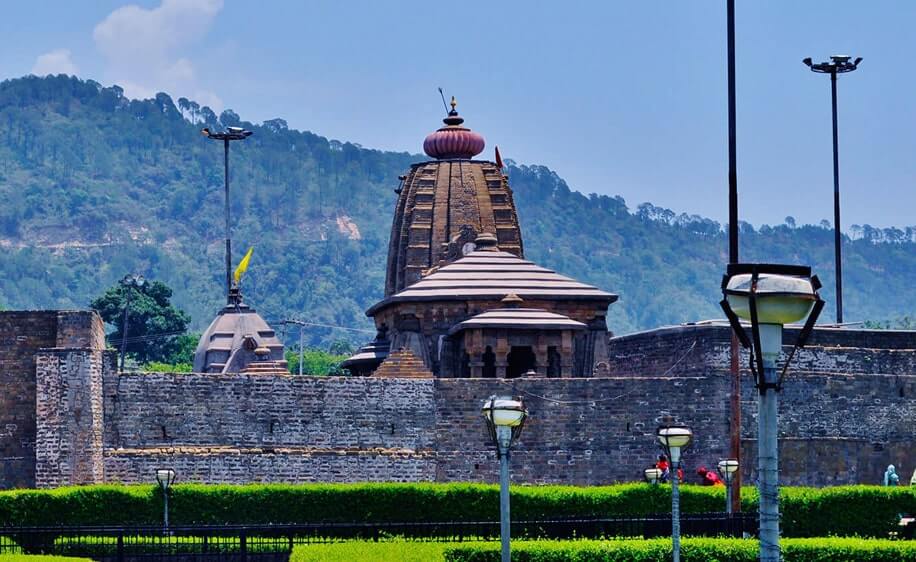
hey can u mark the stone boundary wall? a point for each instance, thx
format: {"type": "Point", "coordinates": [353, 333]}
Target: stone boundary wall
{"type": "Point", "coordinates": [696, 349]}
{"type": "Point", "coordinates": [847, 411]}
{"type": "Point", "coordinates": [586, 431]}
{"type": "Point", "coordinates": [269, 428]}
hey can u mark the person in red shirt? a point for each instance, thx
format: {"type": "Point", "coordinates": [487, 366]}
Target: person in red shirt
{"type": "Point", "coordinates": [709, 478]}
{"type": "Point", "coordinates": [664, 466]}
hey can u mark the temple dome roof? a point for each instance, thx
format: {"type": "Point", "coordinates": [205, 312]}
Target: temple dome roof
{"type": "Point", "coordinates": [453, 141]}
{"type": "Point", "coordinates": [237, 340]}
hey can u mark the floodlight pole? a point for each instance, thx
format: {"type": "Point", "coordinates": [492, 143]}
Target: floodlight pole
{"type": "Point", "coordinates": [231, 134]}
{"type": "Point", "coordinates": [226, 203]}
{"type": "Point", "coordinates": [504, 439]}
{"type": "Point", "coordinates": [837, 237]}
{"type": "Point", "coordinates": [838, 64]}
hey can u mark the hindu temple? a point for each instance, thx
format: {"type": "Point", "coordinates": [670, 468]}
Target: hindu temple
{"type": "Point", "coordinates": [461, 300]}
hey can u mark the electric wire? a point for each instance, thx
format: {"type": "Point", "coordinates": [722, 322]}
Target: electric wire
{"type": "Point", "coordinates": [607, 399]}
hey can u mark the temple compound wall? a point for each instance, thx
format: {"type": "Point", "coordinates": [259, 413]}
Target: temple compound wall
{"type": "Point", "coordinates": [846, 412]}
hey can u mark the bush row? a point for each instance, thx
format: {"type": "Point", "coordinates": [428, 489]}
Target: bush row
{"type": "Point", "coordinates": [692, 550]}
{"type": "Point", "coordinates": [847, 510]}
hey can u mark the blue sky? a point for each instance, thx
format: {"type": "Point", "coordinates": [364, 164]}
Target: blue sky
{"type": "Point", "coordinates": [623, 98]}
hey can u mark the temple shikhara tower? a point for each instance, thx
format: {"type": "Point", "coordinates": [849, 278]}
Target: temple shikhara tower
{"type": "Point", "coordinates": [460, 299]}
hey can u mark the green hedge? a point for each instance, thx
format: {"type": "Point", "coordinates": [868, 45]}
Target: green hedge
{"type": "Point", "coordinates": [692, 550]}
{"type": "Point", "coordinates": [843, 511]}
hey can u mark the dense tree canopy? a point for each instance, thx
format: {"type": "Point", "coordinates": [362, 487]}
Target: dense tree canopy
{"type": "Point", "coordinates": [155, 328]}
{"type": "Point", "coordinates": [96, 185]}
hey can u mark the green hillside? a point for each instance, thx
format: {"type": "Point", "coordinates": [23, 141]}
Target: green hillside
{"type": "Point", "coordinates": [95, 186]}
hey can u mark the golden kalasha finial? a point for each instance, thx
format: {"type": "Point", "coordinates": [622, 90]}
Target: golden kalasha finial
{"type": "Point", "coordinates": [454, 103]}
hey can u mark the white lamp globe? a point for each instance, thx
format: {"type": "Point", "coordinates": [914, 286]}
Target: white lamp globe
{"type": "Point", "coordinates": [504, 411]}
{"type": "Point", "coordinates": [674, 436]}
{"type": "Point", "coordinates": [652, 475]}
{"type": "Point", "coordinates": [781, 299]}
{"type": "Point", "coordinates": [728, 467]}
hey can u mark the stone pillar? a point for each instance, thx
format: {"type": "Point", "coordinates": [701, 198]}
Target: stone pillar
{"type": "Point", "coordinates": [566, 355]}
{"type": "Point", "coordinates": [70, 417]}
{"type": "Point", "coordinates": [476, 364]}
{"type": "Point", "coordinates": [502, 363]}
{"type": "Point", "coordinates": [502, 354]}
{"type": "Point", "coordinates": [541, 360]}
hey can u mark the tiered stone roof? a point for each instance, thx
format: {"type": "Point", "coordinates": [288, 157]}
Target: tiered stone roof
{"type": "Point", "coordinates": [519, 319]}
{"type": "Point", "coordinates": [492, 274]}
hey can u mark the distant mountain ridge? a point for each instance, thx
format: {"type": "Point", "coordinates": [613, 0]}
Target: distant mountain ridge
{"type": "Point", "coordinates": [95, 185]}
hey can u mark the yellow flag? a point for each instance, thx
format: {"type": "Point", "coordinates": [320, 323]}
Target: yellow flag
{"type": "Point", "coordinates": [243, 265]}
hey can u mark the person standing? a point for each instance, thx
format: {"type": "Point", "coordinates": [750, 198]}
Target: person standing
{"type": "Point", "coordinates": [890, 476]}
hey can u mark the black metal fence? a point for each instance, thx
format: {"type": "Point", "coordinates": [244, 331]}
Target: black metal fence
{"type": "Point", "coordinates": [240, 543]}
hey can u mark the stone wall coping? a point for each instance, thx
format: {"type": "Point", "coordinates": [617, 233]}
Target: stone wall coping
{"type": "Point", "coordinates": [265, 450]}
{"type": "Point", "coordinates": [713, 326]}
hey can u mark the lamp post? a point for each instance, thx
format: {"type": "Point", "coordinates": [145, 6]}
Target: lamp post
{"type": "Point", "coordinates": [505, 417]}
{"type": "Point", "coordinates": [129, 282]}
{"type": "Point", "coordinates": [769, 296]}
{"type": "Point", "coordinates": [839, 64]}
{"type": "Point", "coordinates": [728, 468]}
{"type": "Point", "coordinates": [230, 134]}
{"type": "Point", "coordinates": [653, 475]}
{"type": "Point", "coordinates": [674, 437]}
{"type": "Point", "coordinates": [165, 477]}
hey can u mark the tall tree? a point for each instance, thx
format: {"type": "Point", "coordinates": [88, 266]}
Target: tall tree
{"type": "Point", "coordinates": [155, 326]}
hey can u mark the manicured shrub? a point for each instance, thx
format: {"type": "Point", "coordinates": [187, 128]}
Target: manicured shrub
{"type": "Point", "coordinates": [692, 550]}
{"type": "Point", "coordinates": [841, 511]}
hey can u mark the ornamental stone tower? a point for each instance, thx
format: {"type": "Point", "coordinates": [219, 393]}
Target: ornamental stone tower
{"type": "Point", "coordinates": [460, 299]}
{"type": "Point", "coordinates": [445, 203]}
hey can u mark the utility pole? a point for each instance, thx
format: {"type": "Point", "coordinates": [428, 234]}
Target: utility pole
{"type": "Point", "coordinates": [735, 367]}
{"type": "Point", "coordinates": [129, 283]}
{"type": "Point", "coordinates": [301, 325]}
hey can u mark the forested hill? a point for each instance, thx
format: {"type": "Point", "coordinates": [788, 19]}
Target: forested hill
{"type": "Point", "coordinates": [94, 185]}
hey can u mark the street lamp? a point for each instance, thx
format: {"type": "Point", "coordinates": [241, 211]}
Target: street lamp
{"type": "Point", "coordinates": [839, 64]}
{"type": "Point", "coordinates": [674, 437]}
{"type": "Point", "coordinates": [230, 134]}
{"type": "Point", "coordinates": [653, 475]}
{"type": "Point", "coordinates": [769, 296]}
{"type": "Point", "coordinates": [728, 468]}
{"type": "Point", "coordinates": [505, 417]}
{"type": "Point", "coordinates": [129, 282]}
{"type": "Point", "coordinates": [165, 477]}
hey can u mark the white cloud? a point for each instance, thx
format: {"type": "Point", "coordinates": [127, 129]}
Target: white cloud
{"type": "Point", "coordinates": [144, 48]}
{"type": "Point", "coordinates": [57, 61]}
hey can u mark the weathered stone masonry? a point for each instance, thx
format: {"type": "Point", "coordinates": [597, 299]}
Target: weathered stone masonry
{"type": "Point", "coordinates": [22, 335]}
{"type": "Point", "coordinates": [845, 413]}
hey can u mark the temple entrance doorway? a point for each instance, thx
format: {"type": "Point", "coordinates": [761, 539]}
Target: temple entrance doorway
{"type": "Point", "coordinates": [521, 360]}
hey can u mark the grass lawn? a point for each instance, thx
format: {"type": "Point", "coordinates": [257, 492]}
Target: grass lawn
{"type": "Point", "coordinates": [389, 551]}
{"type": "Point", "coordinates": [40, 558]}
